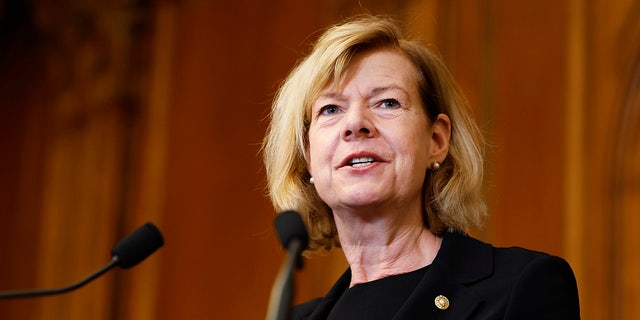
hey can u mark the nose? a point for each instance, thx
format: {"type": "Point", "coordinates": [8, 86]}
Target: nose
{"type": "Point", "coordinates": [358, 123]}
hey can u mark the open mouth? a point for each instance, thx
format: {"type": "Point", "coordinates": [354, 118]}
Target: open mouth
{"type": "Point", "coordinates": [361, 162]}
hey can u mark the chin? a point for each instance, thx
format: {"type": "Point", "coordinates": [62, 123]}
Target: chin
{"type": "Point", "coordinates": [363, 200]}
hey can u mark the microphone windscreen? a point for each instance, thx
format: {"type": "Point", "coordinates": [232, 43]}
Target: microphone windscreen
{"type": "Point", "coordinates": [138, 245]}
{"type": "Point", "coordinates": [289, 225]}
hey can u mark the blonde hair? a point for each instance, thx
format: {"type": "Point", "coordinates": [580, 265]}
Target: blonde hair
{"type": "Point", "coordinates": [452, 194]}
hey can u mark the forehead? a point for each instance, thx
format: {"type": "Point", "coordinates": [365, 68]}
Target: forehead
{"type": "Point", "coordinates": [374, 69]}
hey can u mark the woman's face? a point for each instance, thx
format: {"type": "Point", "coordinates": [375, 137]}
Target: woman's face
{"type": "Point", "coordinates": [370, 142]}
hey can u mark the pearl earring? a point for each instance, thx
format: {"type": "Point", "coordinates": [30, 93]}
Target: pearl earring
{"type": "Point", "coordinates": [311, 180]}
{"type": "Point", "coordinates": [435, 165]}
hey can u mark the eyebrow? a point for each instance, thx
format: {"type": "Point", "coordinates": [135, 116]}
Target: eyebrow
{"type": "Point", "coordinates": [379, 90]}
{"type": "Point", "coordinates": [372, 92]}
{"type": "Point", "coordinates": [331, 95]}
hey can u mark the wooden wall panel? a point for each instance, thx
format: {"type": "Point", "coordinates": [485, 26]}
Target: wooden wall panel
{"type": "Point", "coordinates": [553, 85]}
{"type": "Point", "coordinates": [527, 146]}
{"type": "Point", "coordinates": [21, 127]}
{"type": "Point", "coordinates": [138, 288]}
{"type": "Point", "coordinates": [73, 81]}
{"type": "Point", "coordinates": [613, 54]}
{"type": "Point", "coordinates": [221, 254]}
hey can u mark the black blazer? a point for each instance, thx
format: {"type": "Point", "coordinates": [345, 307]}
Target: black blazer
{"type": "Point", "coordinates": [478, 281]}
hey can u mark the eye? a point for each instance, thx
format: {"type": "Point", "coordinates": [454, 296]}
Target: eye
{"type": "Point", "coordinates": [329, 109]}
{"type": "Point", "coordinates": [389, 108]}
{"type": "Point", "coordinates": [390, 103]}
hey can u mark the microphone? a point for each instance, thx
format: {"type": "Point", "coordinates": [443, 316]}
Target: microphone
{"type": "Point", "coordinates": [294, 238]}
{"type": "Point", "coordinates": [291, 229]}
{"type": "Point", "coordinates": [130, 251]}
{"type": "Point", "coordinates": [138, 245]}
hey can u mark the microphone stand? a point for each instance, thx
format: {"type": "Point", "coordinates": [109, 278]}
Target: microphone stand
{"type": "Point", "coordinates": [130, 251]}
{"type": "Point", "coordinates": [46, 292]}
{"type": "Point", "coordinates": [282, 290]}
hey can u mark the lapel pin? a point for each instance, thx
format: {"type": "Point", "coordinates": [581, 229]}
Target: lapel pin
{"type": "Point", "coordinates": [442, 302]}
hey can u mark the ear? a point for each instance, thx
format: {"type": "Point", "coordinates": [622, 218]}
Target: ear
{"type": "Point", "coordinates": [440, 136]}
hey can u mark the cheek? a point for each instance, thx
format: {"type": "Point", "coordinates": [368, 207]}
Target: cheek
{"type": "Point", "coordinates": [415, 145]}
{"type": "Point", "coordinates": [413, 158]}
{"type": "Point", "coordinates": [316, 152]}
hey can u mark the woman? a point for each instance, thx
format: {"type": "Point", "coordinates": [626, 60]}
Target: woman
{"type": "Point", "coordinates": [371, 141]}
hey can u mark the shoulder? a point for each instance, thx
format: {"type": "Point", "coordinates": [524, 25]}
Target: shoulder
{"type": "Point", "coordinates": [522, 283]}
{"type": "Point", "coordinates": [525, 265]}
{"type": "Point", "coordinates": [544, 288]}
{"type": "Point", "coordinates": [470, 255]}
{"type": "Point", "coordinates": [514, 282]}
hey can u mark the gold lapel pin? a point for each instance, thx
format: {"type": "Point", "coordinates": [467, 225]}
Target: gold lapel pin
{"type": "Point", "coordinates": [441, 302]}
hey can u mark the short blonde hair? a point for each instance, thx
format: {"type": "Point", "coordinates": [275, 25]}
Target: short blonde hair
{"type": "Point", "coordinates": [452, 194]}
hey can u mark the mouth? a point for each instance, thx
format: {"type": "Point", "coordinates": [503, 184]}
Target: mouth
{"type": "Point", "coordinates": [360, 162]}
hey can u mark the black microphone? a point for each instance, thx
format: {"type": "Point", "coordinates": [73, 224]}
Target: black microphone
{"type": "Point", "coordinates": [291, 229]}
{"type": "Point", "coordinates": [138, 245]}
{"type": "Point", "coordinates": [293, 236]}
{"type": "Point", "coordinates": [130, 251]}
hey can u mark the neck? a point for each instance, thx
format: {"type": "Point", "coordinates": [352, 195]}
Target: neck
{"type": "Point", "coordinates": [378, 248]}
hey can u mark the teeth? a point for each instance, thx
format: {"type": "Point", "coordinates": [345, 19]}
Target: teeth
{"type": "Point", "coordinates": [361, 162]}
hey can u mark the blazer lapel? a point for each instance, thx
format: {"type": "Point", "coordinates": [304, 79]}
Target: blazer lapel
{"type": "Point", "coordinates": [460, 261]}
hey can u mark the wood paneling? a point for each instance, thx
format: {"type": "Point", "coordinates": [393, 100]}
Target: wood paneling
{"type": "Point", "coordinates": [74, 86]}
{"type": "Point", "coordinates": [525, 201]}
{"type": "Point", "coordinates": [21, 126]}
{"type": "Point", "coordinates": [609, 228]}
{"type": "Point", "coordinates": [221, 254]}
{"type": "Point", "coordinates": [115, 114]}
